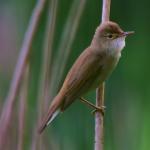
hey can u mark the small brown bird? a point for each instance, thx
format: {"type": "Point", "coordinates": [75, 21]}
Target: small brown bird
{"type": "Point", "coordinates": [90, 69]}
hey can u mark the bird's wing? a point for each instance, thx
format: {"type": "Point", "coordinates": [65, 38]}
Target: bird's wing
{"type": "Point", "coordinates": [82, 75]}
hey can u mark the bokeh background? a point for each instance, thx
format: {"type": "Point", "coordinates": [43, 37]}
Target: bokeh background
{"type": "Point", "coordinates": [127, 94]}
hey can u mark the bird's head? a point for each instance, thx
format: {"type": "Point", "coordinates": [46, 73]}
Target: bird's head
{"type": "Point", "coordinates": [111, 36]}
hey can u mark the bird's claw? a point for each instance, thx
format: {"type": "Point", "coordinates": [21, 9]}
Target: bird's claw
{"type": "Point", "coordinates": [99, 109]}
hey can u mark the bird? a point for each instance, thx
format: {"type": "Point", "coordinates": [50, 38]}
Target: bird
{"type": "Point", "coordinates": [91, 68]}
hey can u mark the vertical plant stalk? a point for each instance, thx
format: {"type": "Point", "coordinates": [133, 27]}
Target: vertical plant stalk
{"type": "Point", "coordinates": [47, 52]}
{"type": "Point", "coordinates": [22, 62]}
{"type": "Point", "coordinates": [22, 109]}
{"type": "Point", "coordinates": [99, 118]}
{"type": "Point", "coordinates": [48, 47]}
{"type": "Point", "coordinates": [45, 69]}
{"type": "Point", "coordinates": [106, 10]}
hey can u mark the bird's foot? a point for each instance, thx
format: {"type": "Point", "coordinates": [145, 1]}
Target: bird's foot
{"type": "Point", "coordinates": [96, 108]}
{"type": "Point", "coordinates": [99, 109]}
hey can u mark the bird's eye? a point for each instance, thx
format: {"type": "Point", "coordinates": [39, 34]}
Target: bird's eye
{"type": "Point", "coordinates": [110, 36]}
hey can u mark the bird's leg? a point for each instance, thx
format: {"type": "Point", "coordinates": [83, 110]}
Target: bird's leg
{"type": "Point", "coordinates": [96, 108]}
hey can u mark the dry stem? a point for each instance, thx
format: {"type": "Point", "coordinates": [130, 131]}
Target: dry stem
{"type": "Point", "coordinates": [99, 132]}
{"type": "Point", "coordinates": [106, 10]}
{"type": "Point", "coordinates": [44, 77]}
{"type": "Point", "coordinates": [22, 109]}
{"type": "Point", "coordinates": [19, 70]}
{"type": "Point", "coordinates": [99, 118]}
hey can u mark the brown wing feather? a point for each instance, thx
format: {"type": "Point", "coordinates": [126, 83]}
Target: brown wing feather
{"type": "Point", "coordinates": [80, 77]}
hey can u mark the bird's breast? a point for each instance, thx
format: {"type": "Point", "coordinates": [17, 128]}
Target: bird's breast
{"type": "Point", "coordinates": [109, 65]}
{"type": "Point", "coordinates": [106, 69]}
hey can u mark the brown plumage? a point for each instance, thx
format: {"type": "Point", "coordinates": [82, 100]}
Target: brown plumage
{"type": "Point", "coordinates": [90, 69]}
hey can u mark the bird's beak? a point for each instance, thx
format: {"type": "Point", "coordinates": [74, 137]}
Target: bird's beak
{"type": "Point", "coordinates": [127, 33]}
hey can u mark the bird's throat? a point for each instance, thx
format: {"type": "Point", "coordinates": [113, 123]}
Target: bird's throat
{"type": "Point", "coordinates": [115, 47]}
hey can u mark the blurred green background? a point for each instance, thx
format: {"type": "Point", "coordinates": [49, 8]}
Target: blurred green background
{"type": "Point", "coordinates": [127, 95]}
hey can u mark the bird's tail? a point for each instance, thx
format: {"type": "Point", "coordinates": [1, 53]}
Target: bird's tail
{"type": "Point", "coordinates": [53, 111]}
